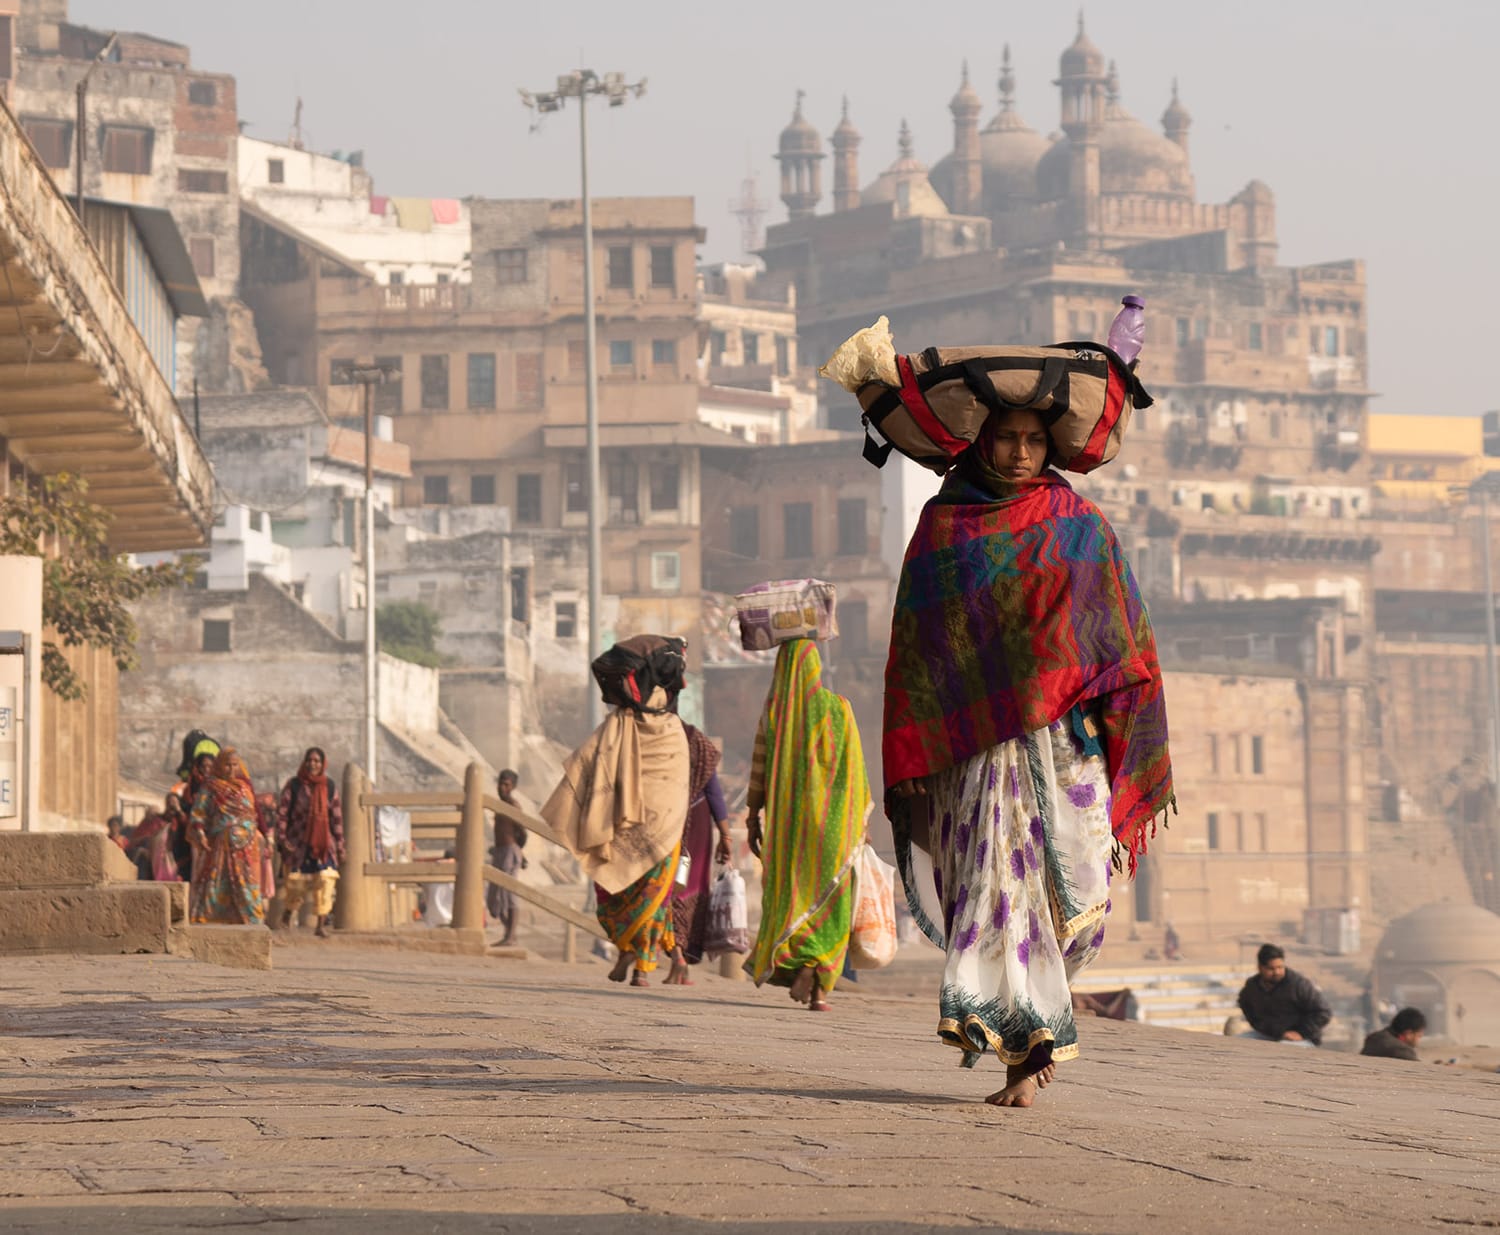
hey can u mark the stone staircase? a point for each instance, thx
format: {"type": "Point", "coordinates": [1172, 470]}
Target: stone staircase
{"type": "Point", "coordinates": [76, 892]}
{"type": "Point", "coordinates": [1173, 996]}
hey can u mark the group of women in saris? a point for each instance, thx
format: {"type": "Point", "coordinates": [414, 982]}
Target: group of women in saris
{"type": "Point", "coordinates": [1025, 759]}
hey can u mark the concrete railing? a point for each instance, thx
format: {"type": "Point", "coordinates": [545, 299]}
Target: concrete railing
{"type": "Point", "coordinates": [457, 815]}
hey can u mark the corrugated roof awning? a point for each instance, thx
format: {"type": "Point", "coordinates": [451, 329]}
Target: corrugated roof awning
{"type": "Point", "coordinates": [617, 436]}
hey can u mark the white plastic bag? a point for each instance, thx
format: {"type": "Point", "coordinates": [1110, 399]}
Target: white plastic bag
{"type": "Point", "coordinates": [872, 931]}
{"type": "Point", "coordinates": [728, 915]}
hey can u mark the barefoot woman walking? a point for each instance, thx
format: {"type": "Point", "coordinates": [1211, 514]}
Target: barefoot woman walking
{"type": "Point", "coordinates": [1025, 740]}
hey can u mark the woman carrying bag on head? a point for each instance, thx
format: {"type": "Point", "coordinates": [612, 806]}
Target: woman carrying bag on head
{"type": "Point", "coordinates": [1025, 738]}
{"type": "Point", "coordinates": [623, 800]}
{"type": "Point", "coordinates": [808, 776]}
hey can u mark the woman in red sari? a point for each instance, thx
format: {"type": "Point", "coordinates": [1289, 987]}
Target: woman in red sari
{"type": "Point", "coordinates": [226, 844]}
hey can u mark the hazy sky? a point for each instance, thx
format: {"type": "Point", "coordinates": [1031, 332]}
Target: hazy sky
{"type": "Point", "coordinates": [1373, 122]}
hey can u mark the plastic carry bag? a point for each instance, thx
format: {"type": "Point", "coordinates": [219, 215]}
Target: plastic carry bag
{"type": "Point", "coordinates": [728, 915]}
{"type": "Point", "coordinates": [872, 931]}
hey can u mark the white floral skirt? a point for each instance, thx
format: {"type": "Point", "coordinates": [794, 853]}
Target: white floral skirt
{"type": "Point", "coordinates": [1020, 848]}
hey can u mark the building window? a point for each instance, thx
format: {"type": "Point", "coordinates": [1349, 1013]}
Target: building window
{"type": "Point", "coordinates": [621, 274]}
{"type": "Point", "coordinates": [1258, 755]}
{"type": "Point", "coordinates": [192, 180]}
{"type": "Point", "coordinates": [1256, 340]}
{"type": "Point", "coordinates": [751, 344]}
{"type": "Point", "coordinates": [666, 485]}
{"type": "Point", "coordinates": [215, 635]}
{"type": "Point", "coordinates": [338, 370]}
{"type": "Point", "coordinates": [797, 529]}
{"type": "Point", "coordinates": [53, 139]}
{"type": "Point", "coordinates": [434, 383]}
{"type": "Point", "coordinates": [622, 484]}
{"type": "Point", "coordinates": [854, 627]}
{"type": "Point", "coordinates": [1265, 838]}
{"type": "Point", "coordinates": [1330, 340]}
{"type": "Point", "coordinates": [1200, 328]}
{"type": "Point", "coordinates": [717, 342]}
{"type": "Point", "coordinates": [1213, 753]}
{"type": "Point", "coordinates": [127, 149]}
{"type": "Point", "coordinates": [1239, 831]}
{"type": "Point", "coordinates": [510, 266]}
{"type": "Point", "coordinates": [666, 572]}
{"type": "Point", "coordinates": [744, 532]}
{"type": "Point", "coordinates": [577, 356]}
{"type": "Point", "coordinates": [396, 278]}
{"type": "Point", "coordinates": [529, 498]}
{"type": "Point", "coordinates": [1275, 425]}
{"type": "Point", "coordinates": [1239, 764]}
{"type": "Point", "coordinates": [434, 490]}
{"type": "Point", "coordinates": [203, 93]}
{"type": "Point", "coordinates": [1213, 830]}
{"type": "Point", "coordinates": [520, 595]}
{"type": "Point", "coordinates": [853, 537]}
{"type": "Point", "coordinates": [482, 490]}
{"type": "Point", "coordinates": [783, 356]}
{"type": "Point", "coordinates": [621, 354]}
{"type": "Point", "coordinates": [576, 488]}
{"type": "Point", "coordinates": [1184, 328]}
{"type": "Point", "coordinates": [663, 266]}
{"type": "Point", "coordinates": [528, 379]}
{"type": "Point", "coordinates": [565, 615]}
{"type": "Point", "coordinates": [481, 379]}
{"type": "Point", "coordinates": [276, 171]}
{"type": "Point", "coordinates": [664, 352]}
{"type": "Point", "coordinates": [202, 250]}
{"type": "Point", "coordinates": [387, 395]}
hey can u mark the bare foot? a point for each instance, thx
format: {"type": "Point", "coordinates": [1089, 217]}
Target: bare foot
{"type": "Point", "coordinates": [639, 979]}
{"type": "Point", "coordinates": [679, 975]}
{"type": "Point", "coordinates": [804, 985]}
{"type": "Point", "coordinates": [1020, 1089]}
{"type": "Point", "coordinates": [622, 967]}
{"type": "Point", "coordinates": [818, 1003]}
{"type": "Point", "coordinates": [1045, 1076]}
{"type": "Point", "coordinates": [322, 931]}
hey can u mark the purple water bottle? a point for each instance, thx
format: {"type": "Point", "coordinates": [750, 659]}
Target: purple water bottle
{"type": "Point", "coordinates": [1128, 331]}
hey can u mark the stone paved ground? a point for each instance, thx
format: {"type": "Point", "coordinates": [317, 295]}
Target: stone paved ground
{"type": "Point", "coordinates": [363, 1091]}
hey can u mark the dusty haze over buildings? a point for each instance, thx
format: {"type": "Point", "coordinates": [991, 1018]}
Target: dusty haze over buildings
{"type": "Point", "coordinates": [1369, 120]}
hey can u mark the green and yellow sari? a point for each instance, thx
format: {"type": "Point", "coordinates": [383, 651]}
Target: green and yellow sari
{"type": "Point", "coordinates": [809, 773]}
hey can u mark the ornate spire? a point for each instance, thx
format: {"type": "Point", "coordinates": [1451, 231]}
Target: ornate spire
{"type": "Point", "coordinates": [905, 147]}
{"type": "Point", "coordinates": [1112, 84]}
{"type": "Point", "coordinates": [1176, 120]}
{"type": "Point", "coordinates": [1007, 82]}
{"type": "Point", "coordinates": [966, 104]}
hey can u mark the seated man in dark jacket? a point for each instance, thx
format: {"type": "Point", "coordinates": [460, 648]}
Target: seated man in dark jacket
{"type": "Point", "coordinates": [1399, 1039]}
{"type": "Point", "coordinates": [1280, 1004]}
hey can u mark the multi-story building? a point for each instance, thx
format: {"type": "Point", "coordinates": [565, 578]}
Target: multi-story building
{"type": "Point", "coordinates": [490, 395]}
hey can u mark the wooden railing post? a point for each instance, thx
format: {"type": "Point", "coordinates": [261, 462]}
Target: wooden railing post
{"type": "Point", "coordinates": [359, 905]}
{"type": "Point", "coordinates": [468, 890]}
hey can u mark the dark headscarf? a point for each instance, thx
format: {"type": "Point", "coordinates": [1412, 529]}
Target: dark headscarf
{"type": "Point", "coordinates": [631, 670]}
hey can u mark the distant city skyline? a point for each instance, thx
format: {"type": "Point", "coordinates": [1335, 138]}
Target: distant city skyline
{"type": "Point", "coordinates": [1370, 132]}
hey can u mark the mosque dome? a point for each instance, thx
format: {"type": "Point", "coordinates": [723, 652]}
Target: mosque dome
{"type": "Point", "coordinates": [905, 183]}
{"type": "Point", "coordinates": [1081, 58]}
{"type": "Point", "coordinates": [1133, 158]}
{"type": "Point", "coordinates": [1441, 934]}
{"type": "Point", "coordinates": [799, 137]}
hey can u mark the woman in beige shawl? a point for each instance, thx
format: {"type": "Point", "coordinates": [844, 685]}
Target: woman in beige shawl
{"type": "Point", "coordinates": [623, 800]}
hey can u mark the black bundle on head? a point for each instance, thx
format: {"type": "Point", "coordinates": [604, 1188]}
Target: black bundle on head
{"type": "Point", "coordinates": [630, 671]}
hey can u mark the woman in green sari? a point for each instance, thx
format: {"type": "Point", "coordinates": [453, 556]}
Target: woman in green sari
{"type": "Point", "coordinates": [809, 777]}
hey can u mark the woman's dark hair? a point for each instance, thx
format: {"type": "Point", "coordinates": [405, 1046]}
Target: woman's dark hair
{"type": "Point", "coordinates": [1408, 1020]}
{"type": "Point", "coordinates": [314, 750]}
{"type": "Point", "coordinates": [1269, 952]}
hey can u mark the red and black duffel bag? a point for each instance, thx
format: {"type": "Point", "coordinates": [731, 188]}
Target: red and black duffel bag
{"type": "Point", "coordinates": [1083, 391]}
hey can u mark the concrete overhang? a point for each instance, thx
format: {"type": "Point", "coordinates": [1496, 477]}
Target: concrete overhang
{"type": "Point", "coordinates": [79, 391]}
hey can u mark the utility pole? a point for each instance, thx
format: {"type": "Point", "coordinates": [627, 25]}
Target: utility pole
{"type": "Point", "coordinates": [580, 84]}
{"type": "Point", "coordinates": [367, 377]}
{"type": "Point", "coordinates": [81, 125]}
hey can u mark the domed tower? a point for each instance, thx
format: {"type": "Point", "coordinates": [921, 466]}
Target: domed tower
{"type": "Point", "coordinates": [800, 154]}
{"type": "Point", "coordinates": [967, 192]}
{"type": "Point", "coordinates": [1176, 120]}
{"type": "Point", "coordinates": [845, 142]}
{"type": "Point", "coordinates": [1083, 80]}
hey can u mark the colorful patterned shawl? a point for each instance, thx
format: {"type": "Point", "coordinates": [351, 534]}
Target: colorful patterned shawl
{"type": "Point", "coordinates": [817, 797]}
{"type": "Point", "coordinates": [1016, 605]}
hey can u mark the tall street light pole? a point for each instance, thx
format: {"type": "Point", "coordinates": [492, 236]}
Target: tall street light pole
{"type": "Point", "coordinates": [580, 84]}
{"type": "Point", "coordinates": [367, 377]}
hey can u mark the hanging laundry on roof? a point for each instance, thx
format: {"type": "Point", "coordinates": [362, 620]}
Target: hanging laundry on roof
{"type": "Point", "coordinates": [414, 214]}
{"type": "Point", "coordinates": [445, 210]}
{"type": "Point", "coordinates": [379, 205]}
